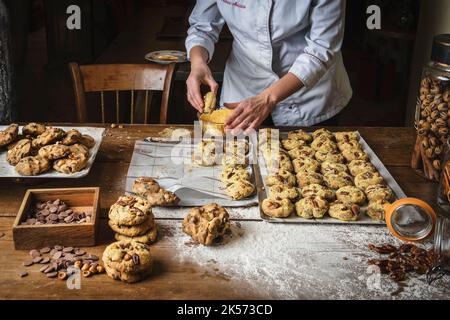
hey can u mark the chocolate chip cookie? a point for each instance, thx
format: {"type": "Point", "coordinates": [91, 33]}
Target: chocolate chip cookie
{"type": "Point", "coordinates": [162, 198]}
{"type": "Point", "coordinates": [377, 209]}
{"type": "Point", "coordinates": [281, 191]}
{"type": "Point", "coordinates": [329, 156]}
{"type": "Point", "coordinates": [306, 178]}
{"type": "Point", "coordinates": [336, 181]}
{"type": "Point", "coordinates": [9, 135]}
{"type": "Point", "coordinates": [230, 174]}
{"type": "Point", "coordinates": [365, 179]}
{"type": "Point", "coordinates": [315, 189]}
{"type": "Point", "coordinates": [208, 224]}
{"type": "Point", "coordinates": [277, 208]}
{"type": "Point", "coordinates": [360, 166]}
{"type": "Point", "coordinates": [33, 129]}
{"type": "Point", "coordinates": [32, 166]}
{"type": "Point", "coordinates": [323, 132]}
{"type": "Point", "coordinates": [281, 177]}
{"type": "Point", "coordinates": [130, 210]}
{"type": "Point", "coordinates": [324, 144]}
{"type": "Point", "coordinates": [345, 211]}
{"type": "Point", "coordinates": [290, 143]}
{"type": "Point", "coordinates": [147, 238]}
{"type": "Point", "coordinates": [311, 207]}
{"type": "Point", "coordinates": [379, 192]}
{"type": "Point", "coordinates": [20, 150]}
{"type": "Point", "coordinates": [54, 151]}
{"type": "Point", "coordinates": [75, 162]}
{"type": "Point", "coordinates": [50, 136]}
{"type": "Point", "coordinates": [133, 230]}
{"type": "Point", "coordinates": [144, 185]}
{"type": "Point", "coordinates": [332, 167]}
{"type": "Point", "coordinates": [300, 135]}
{"type": "Point", "coordinates": [305, 164]}
{"type": "Point", "coordinates": [301, 152]}
{"type": "Point", "coordinates": [351, 194]}
{"type": "Point", "coordinates": [350, 144]}
{"type": "Point", "coordinates": [240, 189]}
{"type": "Point", "coordinates": [72, 136]}
{"type": "Point", "coordinates": [355, 154]}
{"type": "Point", "coordinates": [346, 136]}
{"type": "Point", "coordinates": [87, 141]}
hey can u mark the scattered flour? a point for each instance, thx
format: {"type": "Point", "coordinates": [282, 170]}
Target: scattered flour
{"type": "Point", "coordinates": [292, 261]}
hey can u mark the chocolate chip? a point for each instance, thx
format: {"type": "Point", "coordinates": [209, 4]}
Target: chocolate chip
{"type": "Point", "coordinates": [57, 255]}
{"type": "Point", "coordinates": [44, 261]}
{"type": "Point", "coordinates": [52, 274]}
{"type": "Point", "coordinates": [35, 253]}
{"type": "Point", "coordinates": [57, 247]}
{"type": "Point", "coordinates": [135, 258]}
{"type": "Point", "coordinates": [23, 274]}
{"type": "Point", "coordinates": [42, 269]}
{"type": "Point", "coordinates": [68, 249]}
{"type": "Point", "coordinates": [37, 260]}
{"type": "Point", "coordinates": [45, 250]}
{"type": "Point", "coordinates": [28, 263]}
{"type": "Point", "coordinates": [2, 234]}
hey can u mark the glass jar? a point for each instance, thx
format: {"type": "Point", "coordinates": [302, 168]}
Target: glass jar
{"type": "Point", "coordinates": [432, 110]}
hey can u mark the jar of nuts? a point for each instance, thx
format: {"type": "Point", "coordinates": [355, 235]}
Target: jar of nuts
{"type": "Point", "coordinates": [433, 110]}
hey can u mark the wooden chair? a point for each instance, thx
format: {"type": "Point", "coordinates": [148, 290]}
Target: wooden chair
{"type": "Point", "coordinates": [117, 78]}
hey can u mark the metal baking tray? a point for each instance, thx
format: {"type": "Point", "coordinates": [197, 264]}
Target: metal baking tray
{"type": "Point", "coordinates": [8, 171]}
{"type": "Point", "coordinates": [363, 219]}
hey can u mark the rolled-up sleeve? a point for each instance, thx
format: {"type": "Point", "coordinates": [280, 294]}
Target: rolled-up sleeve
{"type": "Point", "coordinates": [206, 24]}
{"type": "Point", "coordinates": [327, 19]}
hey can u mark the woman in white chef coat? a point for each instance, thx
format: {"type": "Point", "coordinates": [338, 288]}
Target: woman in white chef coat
{"type": "Point", "coordinates": [285, 60]}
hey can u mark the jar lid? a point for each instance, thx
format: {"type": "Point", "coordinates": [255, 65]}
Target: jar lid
{"type": "Point", "coordinates": [410, 219]}
{"type": "Point", "coordinates": [440, 51]}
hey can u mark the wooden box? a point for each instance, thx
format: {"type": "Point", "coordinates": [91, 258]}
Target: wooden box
{"type": "Point", "coordinates": [78, 235]}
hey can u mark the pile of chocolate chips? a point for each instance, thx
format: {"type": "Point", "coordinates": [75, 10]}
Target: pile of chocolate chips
{"type": "Point", "coordinates": [55, 212]}
{"type": "Point", "coordinates": [401, 260]}
{"type": "Point", "coordinates": [59, 259]}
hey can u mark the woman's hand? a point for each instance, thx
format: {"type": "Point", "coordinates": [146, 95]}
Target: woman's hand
{"type": "Point", "coordinates": [200, 74]}
{"type": "Point", "coordinates": [250, 113]}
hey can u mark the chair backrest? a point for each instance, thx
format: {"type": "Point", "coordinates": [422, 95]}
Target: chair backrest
{"type": "Point", "coordinates": [117, 78]}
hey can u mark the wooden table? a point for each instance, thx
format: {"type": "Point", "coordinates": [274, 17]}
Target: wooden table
{"type": "Point", "coordinates": [325, 262]}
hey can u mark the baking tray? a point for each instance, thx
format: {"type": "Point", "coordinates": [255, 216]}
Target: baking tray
{"type": "Point", "coordinates": [8, 171]}
{"type": "Point", "coordinates": [152, 158]}
{"type": "Point", "coordinates": [363, 218]}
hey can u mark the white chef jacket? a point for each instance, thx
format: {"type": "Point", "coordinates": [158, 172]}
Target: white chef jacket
{"type": "Point", "coordinates": [272, 38]}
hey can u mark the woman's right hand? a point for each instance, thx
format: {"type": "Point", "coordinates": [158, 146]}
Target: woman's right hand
{"type": "Point", "coordinates": [200, 74]}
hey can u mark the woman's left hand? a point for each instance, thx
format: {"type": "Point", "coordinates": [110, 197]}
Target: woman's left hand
{"type": "Point", "coordinates": [249, 113]}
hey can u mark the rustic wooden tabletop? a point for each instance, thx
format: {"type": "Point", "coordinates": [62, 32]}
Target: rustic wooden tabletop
{"type": "Point", "coordinates": [260, 260]}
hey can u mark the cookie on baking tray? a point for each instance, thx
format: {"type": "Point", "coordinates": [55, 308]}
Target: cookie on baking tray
{"type": "Point", "coordinates": [377, 209]}
{"type": "Point", "coordinates": [360, 166]}
{"type": "Point", "coordinates": [344, 211]}
{"type": "Point", "coordinates": [21, 149]}
{"type": "Point", "coordinates": [350, 144]}
{"type": "Point", "coordinates": [230, 174]}
{"type": "Point", "coordinates": [79, 148]}
{"type": "Point", "coordinates": [277, 208]}
{"type": "Point", "coordinates": [142, 185]}
{"type": "Point", "coordinates": [129, 261]}
{"type": "Point", "coordinates": [311, 207]}
{"type": "Point", "coordinates": [323, 132]}
{"type": "Point", "coordinates": [324, 144]}
{"type": "Point", "coordinates": [346, 136]}
{"type": "Point", "coordinates": [240, 189]}
{"type": "Point", "coordinates": [74, 162]}
{"type": "Point", "coordinates": [301, 152]}
{"type": "Point", "coordinates": [280, 162]}
{"type": "Point", "coordinates": [206, 153]}
{"type": "Point", "coordinates": [291, 143]}
{"type": "Point", "coordinates": [87, 141]}
{"type": "Point", "coordinates": [355, 154]}
{"type": "Point", "coordinates": [9, 135]}
{"type": "Point", "coordinates": [281, 177]}
{"type": "Point", "coordinates": [54, 151]}
{"type": "Point", "coordinates": [305, 164]}
{"type": "Point", "coordinates": [315, 189]}
{"type": "Point", "coordinates": [33, 129]}
{"type": "Point", "coordinates": [306, 178]}
{"type": "Point", "coordinates": [32, 166]}
{"type": "Point", "coordinates": [336, 181]}
{"type": "Point", "coordinates": [300, 135]}
{"type": "Point", "coordinates": [329, 156]}
{"type": "Point", "coordinates": [208, 224]}
{"type": "Point", "coordinates": [130, 210]}
{"type": "Point", "coordinates": [162, 198]}
{"type": "Point", "coordinates": [240, 147]}
{"type": "Point", "coordinates": [72, 136]}
{"type": "Point", "coordinates": [365, 179]}
{"type": "Point", "coordinates": [281, 191]}
{"type": "Point", "coordinates": [379, 192]}
{"type": "Point", "coordinates": [50, 136]}
{"type": "Point", "coordinates": [332, 167]}
{"type": "Point", "coordinates": [351, 194]}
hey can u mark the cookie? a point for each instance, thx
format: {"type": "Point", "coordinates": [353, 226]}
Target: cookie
{"type": "Point", "coordinates": [9, 135]}
{"type": "Point", "coordinates": [332, 167]}
{"type": "Point", "coordinates": [206, 153]}
{"type": "Point", "coordinates": [301, 152]}
{"type": "Point", "coordinates": [351, 194]}
{"type": "Point", "coordinates": [344, 211]}
{"type": "Point", "coordinates": [277, 208]}
{"type": "Point", "coordinates": [315, 189]}
{"type": "Point", "coordinates": [50, 136]}
{"type": "Point", "coordinates": [376, 210]}
{"type": "Point", "coordinates": [311, 207]}
{"type": "Point", "coordinates": [336, 181]}
{"type": "Point", "coordinates": [360, 166]}
{"type": "Point", "coordinates": [33, 129]}
{"type": "Point", "coordinates": [323, 144]}
{"type": "Point", "coordinates": [208, 224]}
{"type": "Point", "coordinates": [130, 210]}
{"type": "Point", "coordinates": [281, 191]}
{"type": "Point", "coordinates": [281, 177]}
{"type": "Point", "coordinates": [306, 178]}
{"type": "Point", "coordinates": [132, 231]}
{"type": "Point", "coordinates": [128, 257]}
{"type": "Point", "coordinates": [300, 135]}
{"type": "Point", "coordinates": [323, 132]}
{"type": "Point", "coordinates": [72, 136]}
{"type": "Point", "coordinates": [20, 150]}
{"type": "Point", "coordinates": [235, 160]}
{"type": "Point", "coordinates": [355, 154]}
{"type": "Point", "coordinates": [230, 174]}
{"type": "Point", "coordinates": [240, 147]}
{"type": "Point", "coordinates": [143, 185]}
{"type": "Point", "coordinates": [87, 141]}
{"type": "Point", "coordinates": [128, 277]}
{"type": "Point", "coordinates": [351, 144]}
{"type": "Point", "coordinates": [329, 156]}
{"type": "Point", "coordinates": [346, 136]}
{"type": "Point", "coordinates": [290, 143]}
{"type": "Point", "coordinates": [147, 238]}
{"type": "Point", "coordinates": [32, 166]}
{"type": "Point", "coordinates": [365, 179]}
{"type": "Point", "coordinates": [379, 192]}
{"type": "Point", "coordinates": [282, 162]}
{"type": "Point", "coordinates": [162, 198]}
{"type": "Point", "coordinates": [240, 189]}
{"type": "Point", "coordinates": [79, 148]}
{"type": "Point", "coordinates": [75, 162]}
{"type": "Point", "coordinates": [306, 165]}
{"type": "Point", "coordinates": [54, 151]}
